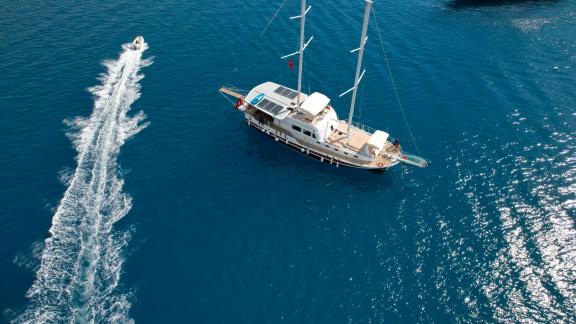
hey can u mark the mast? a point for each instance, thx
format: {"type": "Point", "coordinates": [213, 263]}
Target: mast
{"type": "Point", "coordinates": [360, 50]}
{"type": "Point", "coordinates": [301, 57]}
{"type": "Point", "coordinates": [302, 46]}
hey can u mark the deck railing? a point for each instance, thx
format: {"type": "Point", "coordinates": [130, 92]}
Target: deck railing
{"type": "Point", "coordinates": [364, 128]}
{"type": "Point", "coordinates": [369, 130]}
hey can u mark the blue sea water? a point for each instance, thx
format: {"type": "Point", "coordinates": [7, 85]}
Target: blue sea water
{"type": "Point", "coordinates": [197, 218]}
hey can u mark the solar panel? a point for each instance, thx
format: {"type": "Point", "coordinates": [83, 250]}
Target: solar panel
{"type": "Point", "coordinates": [269, 106]}
{"type": "Point", "coordinates": [292, 95]}
{"type": "Point", "coordinates": [262, 104]}
{"type": "Point", "coordinates": [276, 109]}
{"type": "Point", "coordinates": [279, 89]}
{"type": "Point", "coordinates": [285, 92]}
{"type": "Point", "coordinates": [266, 104]}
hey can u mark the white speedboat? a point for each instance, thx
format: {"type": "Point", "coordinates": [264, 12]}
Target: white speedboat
{"type": "Point", "coordinates": [309, 124]}
{"type": "Point", "coordinates": [138, 43]}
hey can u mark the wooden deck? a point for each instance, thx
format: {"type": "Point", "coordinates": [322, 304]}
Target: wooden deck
{"type": "Point", "coordinates": [356, 142]}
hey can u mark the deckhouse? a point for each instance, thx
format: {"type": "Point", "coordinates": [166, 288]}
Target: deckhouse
{"type": "Point", "coordinates": [276, 104]}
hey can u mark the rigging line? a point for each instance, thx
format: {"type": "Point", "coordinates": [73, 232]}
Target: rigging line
{"type": "Point", "coordinates": [273, 17]}
{"type": "Point", "coordinates": [394, 82]}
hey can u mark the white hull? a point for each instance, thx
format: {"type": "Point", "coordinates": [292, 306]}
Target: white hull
{"type": "Point", "coordinates": [317, 150]}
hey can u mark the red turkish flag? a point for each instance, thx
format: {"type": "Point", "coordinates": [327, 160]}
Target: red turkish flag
{"type": "Point", "coordinates": [291, 64]}
{"type": "Point", "coordinates": [239, 103]}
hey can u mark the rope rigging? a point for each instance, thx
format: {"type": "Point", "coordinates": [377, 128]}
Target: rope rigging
{"type": "Point", "coordinates": [273, 17]}
{"type": "Point", "coordinates": [394, 82]}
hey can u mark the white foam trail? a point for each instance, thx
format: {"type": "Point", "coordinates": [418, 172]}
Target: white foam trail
{"type": "Point", "coordinates": [82, 260]}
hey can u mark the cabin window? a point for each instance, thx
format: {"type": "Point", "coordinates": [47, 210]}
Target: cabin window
{"type": "Point", "coordinates": [296, 128]}
{"type": "Point", "coordinates": [313, 135]}
{"type": "Point", "coordinates": [306, 132]}
{"type": "Point", "coordinates": [355, 155]}
{"type": "Point", "coordinates": [336, 149]}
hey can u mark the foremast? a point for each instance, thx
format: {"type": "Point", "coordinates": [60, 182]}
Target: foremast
{"type": "Point", "coordinates": [358, 76]}
{"type": "Point", "coordinates": [302, 46]}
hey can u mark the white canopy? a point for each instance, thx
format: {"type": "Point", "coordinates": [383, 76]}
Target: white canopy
{"type": "Point", "coordinates": [377, 140]}
{"type": "Point", "coordinates": [314, 104]}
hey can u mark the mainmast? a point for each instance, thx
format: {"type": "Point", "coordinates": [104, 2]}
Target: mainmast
{"type": "Point", "coordinates": [302, 47]}
{"type": "Point", "coordinates": [358, 76]}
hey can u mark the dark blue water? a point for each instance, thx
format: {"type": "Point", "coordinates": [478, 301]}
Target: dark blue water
{"type": "Point", "coordinates": [198, 218]}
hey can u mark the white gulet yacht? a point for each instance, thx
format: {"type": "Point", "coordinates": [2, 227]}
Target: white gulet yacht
{"type": "Point", "coordinates": [309, 124]}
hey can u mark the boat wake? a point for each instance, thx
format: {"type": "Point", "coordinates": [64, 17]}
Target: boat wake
{"type": "Point", "coordinates": [81, 264]}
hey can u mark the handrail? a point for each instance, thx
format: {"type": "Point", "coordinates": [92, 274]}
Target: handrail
{"type": "Point", "coordinates": [364, 128]}
{"type": "Point", "coordinates": [369, 130]}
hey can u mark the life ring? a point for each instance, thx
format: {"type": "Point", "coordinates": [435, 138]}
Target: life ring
{"type": "Point", "coordinates": [380, 164]}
